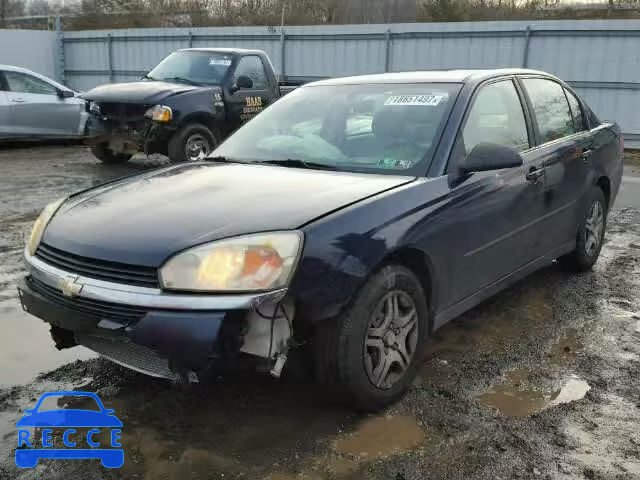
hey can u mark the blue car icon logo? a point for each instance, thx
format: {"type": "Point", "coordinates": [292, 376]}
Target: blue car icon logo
{"type": "Point", "coordinates": [30, 450]}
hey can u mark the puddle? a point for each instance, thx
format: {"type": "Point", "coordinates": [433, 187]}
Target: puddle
{"type": "Point", "coordinates": [516, 397]}
{"type": "Point", "coordinates": [27, 349]}
{"type": "Point", "coordinates": [379, 437]}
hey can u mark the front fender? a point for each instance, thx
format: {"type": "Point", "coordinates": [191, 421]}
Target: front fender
{"type": "Point", "coordinates": [343, 249]}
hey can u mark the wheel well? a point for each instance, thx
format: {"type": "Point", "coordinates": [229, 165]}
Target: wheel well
{"type": "Point", "coordinates": [416, 261]}
{"type": "Point", "coordinates": [605, 186]}
{"type": "Point", "coordinates": [206, 120]}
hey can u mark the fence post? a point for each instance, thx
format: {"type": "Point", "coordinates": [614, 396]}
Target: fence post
{"type": "Point", "coordinates": [387, 49]}
{"type": "Point", "coordinates": [58, 55]}
{"type": "Point", "coordinates": [110, 56]}
{"type": "Point", "coordinates": [283, 39]}
{"type": "Point", "coordinates": [525, 48]}
{"type": "Point", "coordinates": [190, 39]}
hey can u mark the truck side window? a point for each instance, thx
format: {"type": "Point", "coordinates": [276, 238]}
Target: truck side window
{"type": "Point", "coordinates": [252, 67]}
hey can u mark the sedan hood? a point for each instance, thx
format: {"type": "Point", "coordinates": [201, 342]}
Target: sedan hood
{"type": "Point", "coordinates": [142, 92]}
{"type": "Point", "coordinates": [145, 219]}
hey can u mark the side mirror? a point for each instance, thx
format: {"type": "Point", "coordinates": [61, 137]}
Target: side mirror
{"type": "Point", "coordinates": [65, 93]}
{"type": "Point", "coordinates": [491, 156]}
{"type": "Point", "coordinates": [244, 82]}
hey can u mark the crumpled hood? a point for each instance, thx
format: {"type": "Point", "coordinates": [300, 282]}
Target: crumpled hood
{"type": "Point", "coordinates": [143, 92]}
{"type": "Point", "coordinates": [145, 219]}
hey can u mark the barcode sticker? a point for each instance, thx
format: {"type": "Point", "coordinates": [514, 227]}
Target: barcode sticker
{"type": "Point", "coordinates": [426, 100]}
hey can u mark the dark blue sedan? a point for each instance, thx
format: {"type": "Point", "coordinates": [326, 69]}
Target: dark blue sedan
{"type": "Point", "coordinates": [354, 216]}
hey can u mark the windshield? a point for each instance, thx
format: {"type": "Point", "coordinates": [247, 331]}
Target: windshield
{"type": "Point", "coordinates": [391, 128]}
{"type": "Point", "coordinates": [194, 67]}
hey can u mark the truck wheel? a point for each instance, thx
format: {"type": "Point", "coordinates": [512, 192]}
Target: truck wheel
{"type": "Point", "coordinates": [191, 143]}
{"type": "Point", "coordinates": [368, 355]}
{"type": "Point", "coordinates": [102, 152]}
{"type": "Point", "coordinates": [590, 234]}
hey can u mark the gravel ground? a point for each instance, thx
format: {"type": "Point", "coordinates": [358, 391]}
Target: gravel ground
{"type": "Point", "coordinates": [539, 382]}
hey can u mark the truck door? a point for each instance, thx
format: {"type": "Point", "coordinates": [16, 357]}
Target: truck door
{"type": "Point", "coordinates": [245, 103]}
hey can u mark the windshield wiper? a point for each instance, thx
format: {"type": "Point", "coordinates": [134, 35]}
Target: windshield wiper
{"type": "Point", "coordinates": [299, 163]}
{"type": "Point", "coordinates": [148, 77]}
{"type": "Point", "coordinates": [222, 159]}
{"type": "Point", "coordinates": [181, 79]}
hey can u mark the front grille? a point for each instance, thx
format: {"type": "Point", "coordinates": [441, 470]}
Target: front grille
{"type": "Point", "coordinates": [98, 269]}
{"type": "Point", "coordinates": [129, 354]}
{"type": "Point", "coordinates": [97, 309]}
{"type": "Point", "coordinates": [124, 112]}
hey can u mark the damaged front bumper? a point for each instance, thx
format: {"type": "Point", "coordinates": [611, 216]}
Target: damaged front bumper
{"type": "Point", "coordinates": [176, 336]}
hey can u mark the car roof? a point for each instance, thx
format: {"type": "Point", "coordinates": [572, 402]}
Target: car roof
{"type": "Point", "coordinates": [234, 51]}
{"type": "Point", "coordinates": [428, 76]}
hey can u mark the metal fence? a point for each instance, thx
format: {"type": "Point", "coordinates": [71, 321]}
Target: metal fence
{"type": "Point", "coordinates": [600, 58]}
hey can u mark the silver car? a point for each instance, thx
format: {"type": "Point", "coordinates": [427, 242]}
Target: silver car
{"type": "Point", "coordinates": [33, 106]}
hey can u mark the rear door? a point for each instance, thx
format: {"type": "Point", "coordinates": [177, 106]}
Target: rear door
{"type": "Point", "coordinates": [4, 108]}
{"type": "Point", "coordinates": [244, 104]}
{"type": "Point", "coordinates": [565, 146]}
{"type": "Point", "coordinates": [494, 215]}
{"type": "Point", "coordinates": [37, 110]}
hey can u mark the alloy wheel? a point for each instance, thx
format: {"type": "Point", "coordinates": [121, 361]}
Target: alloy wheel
{"type": "Point", "coordinates": [197, 147]}
{"type": "Point", "coordinates": [391, 339]}
{"type": "Point", "coordinates": [594, 228]}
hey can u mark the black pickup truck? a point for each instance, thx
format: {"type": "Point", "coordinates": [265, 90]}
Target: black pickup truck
{"type": "Point", "coordinates": [184, 107]}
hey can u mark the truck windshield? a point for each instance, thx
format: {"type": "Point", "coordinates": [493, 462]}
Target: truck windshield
{"type": "Point", "coordinates": [377, 128]}
{"type": "Point", "coordinates": [192, 67]}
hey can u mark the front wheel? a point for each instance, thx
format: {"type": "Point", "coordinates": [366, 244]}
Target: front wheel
{"type": "Point", "coordinates": [102, 152]}
{"type": "Point", "coordinates": [191, 143]}
{"type": "Point", "coordinates": [368, 356]}
{"type": "Point", "coordinates": [590, 235]}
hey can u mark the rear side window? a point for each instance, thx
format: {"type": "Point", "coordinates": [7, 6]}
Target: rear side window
{"type": "Point", "coordinates": [550, 108]}
{"type": "Point", "coordinates": [496, 116]}
{"type": "Point", "coordinates": [23, 83]}
{"type": "Point", "coordinates": [252, 67]}
{"type": "Point", "coordinates": [576, 112]}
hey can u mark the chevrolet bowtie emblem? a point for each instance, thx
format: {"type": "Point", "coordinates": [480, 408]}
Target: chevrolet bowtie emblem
{"type": "Point", "coordinates": [69, 286]}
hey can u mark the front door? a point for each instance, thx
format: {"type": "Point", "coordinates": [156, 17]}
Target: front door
{"type": "Point", "coordinates": [37, 110]}
{"type": "Point", "coordinates": [494, 215]}
{"type": "Point", "coordinates": [246, 103]}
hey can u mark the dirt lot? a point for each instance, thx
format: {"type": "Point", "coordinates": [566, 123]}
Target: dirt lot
{"type": "Point", "coordinates": [540, 382]}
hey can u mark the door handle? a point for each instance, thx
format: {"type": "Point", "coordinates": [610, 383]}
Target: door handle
{"type": "Point", "coordinates": [534, 174]}
{"type": "Point", "coordinates": [586, 155]}
{"type": "Point", "coordinates": [18, 100]}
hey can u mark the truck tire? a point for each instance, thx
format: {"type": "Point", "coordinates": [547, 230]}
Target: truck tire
{"type": "Point", "coordinates": [191, 143]}
{"type": "Point", "coordinates": [590, 235]}
{"type": "Point", "coordinates": [101, 152]}
{"type": "Point", "coordinates": [366, 356]}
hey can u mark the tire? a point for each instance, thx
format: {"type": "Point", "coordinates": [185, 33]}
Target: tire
{"type": "Point", "coordinates": [586, 253]}
{"type": "Point", "coordinates": [349, 370]}
{"type": "Point", "coordinates": [194, 138]}
{"type": "Point", "coordinates": [101, 152]}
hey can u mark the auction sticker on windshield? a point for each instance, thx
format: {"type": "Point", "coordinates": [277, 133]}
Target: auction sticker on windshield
{"type": "Point", "coordinates": [63, 433]}
{"type": "Point", "coordinates": [427, 100]}
{"type": "Point", "coordinates": [220, 61]}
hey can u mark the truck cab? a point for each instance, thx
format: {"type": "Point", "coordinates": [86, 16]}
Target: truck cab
{"type": "Point", "coordinates": [182, 108]}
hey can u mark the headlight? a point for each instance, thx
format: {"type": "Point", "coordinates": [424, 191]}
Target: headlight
{"type": "Point", "coordinates": [41, 223]}
{"type": "Point", "coordinates": [159, 113]}
{"type": "Point", "coordinates": [256, 262]}
{"type": "Point", "coordinates": [94, 107]}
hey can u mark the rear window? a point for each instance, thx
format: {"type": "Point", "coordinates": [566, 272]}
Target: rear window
{"type": "Point", "coordinates": [551, 109]}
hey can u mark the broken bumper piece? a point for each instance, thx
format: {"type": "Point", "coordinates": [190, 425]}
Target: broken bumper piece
{"type": "Point", "coordinates": [175, 336]}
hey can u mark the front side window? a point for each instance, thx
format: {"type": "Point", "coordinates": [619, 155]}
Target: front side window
{"type": "Point", "coordinates": [24, 83]}
{"type": "Point", "coordinates": [193, 67]}
{"type": "Point", "coordinates": [377, 128]}
{"type": "Point", "coordinates": [252, 67]}
{"type": "Point", "coordinates": [576, 112]}
{"type": "Point", "coordinates": [496, 116]}
{"type": "Point", "coordinates": [550, 108]}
